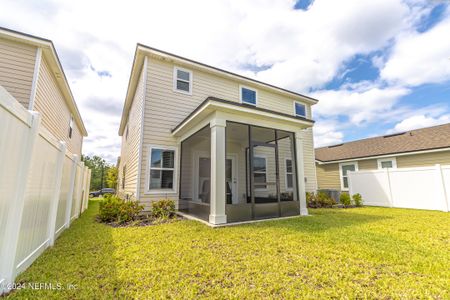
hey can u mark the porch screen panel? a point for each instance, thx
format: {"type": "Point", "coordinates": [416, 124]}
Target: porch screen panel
{"type": "Point", "coordinates": [195, 174]}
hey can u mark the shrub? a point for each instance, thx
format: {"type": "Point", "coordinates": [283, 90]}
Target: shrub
{"type": "Point", "coordinates": [345, 199]}
{"type": "Point", "coordinates": [324, 200]}
{"type": "Point", "coordinates": [357, 199]}
{"type": "Point", "coordinates": [163, 209]}
{"type": "Point", "coordinates": [114, 209]}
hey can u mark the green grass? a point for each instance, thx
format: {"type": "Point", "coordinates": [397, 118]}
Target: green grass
{"type": "Point", "coordinates": [354, 253]}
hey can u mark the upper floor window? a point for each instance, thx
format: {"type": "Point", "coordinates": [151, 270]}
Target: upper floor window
{"type": "Point", "coordinates": [300, 109]}
{"type": "Point", "coordinates": [70, 126]}
{"type": "Point", "coordinates": [182, 80]}
{"type": "Point", "coordinates": [248, 95]}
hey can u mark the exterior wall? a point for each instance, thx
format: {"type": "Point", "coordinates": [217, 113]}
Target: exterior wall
{"type": "Point", "coordinates": [129, 156]}
{"type": "Point", "coordinates": [165, 108]}
{"type": "Point", "coordinates": [423, 160]}
{"type": "Point", "coordinates": [328, 175]}
{"type": "Point", "coordinates": [52, 105]}
{"type": "Point", "coordinates": [17, 62]}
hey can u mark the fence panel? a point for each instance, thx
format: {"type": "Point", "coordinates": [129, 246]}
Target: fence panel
{"type": "Point", "coordinates": [36, 180]}
{"type": "Point", "coordinates": [419, 188]}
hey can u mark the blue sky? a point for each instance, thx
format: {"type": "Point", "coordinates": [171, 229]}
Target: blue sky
{"type": "Point", "coordinates": [377, 67]}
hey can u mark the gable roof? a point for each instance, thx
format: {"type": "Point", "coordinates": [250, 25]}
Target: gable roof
{"type": "Point", "coordinates": [49, 51]}
{"type": "Point", "coordinates": [142, 50]}
{"type": "Point", "coordinates": [430, 138]}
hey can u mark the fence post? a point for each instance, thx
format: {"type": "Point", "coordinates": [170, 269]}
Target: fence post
{"type": "Point", "coordinates": [391, 199]}
{"type": "Point", "coordinates": [442, 187]}
{"type": "Point", "coordinates": [88, 187]}
{"type": "Point", "coordinates": [55, 199]}
{"type": "Point", "coordinates": [73, 173]}
{"type": "Point", "coordinates": [14, 219]}
{"type": "Point", "coordinates": [81, 190]}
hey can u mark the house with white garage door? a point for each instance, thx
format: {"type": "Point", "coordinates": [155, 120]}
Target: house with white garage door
{"type": "Point", "coordinates": [225, 147]}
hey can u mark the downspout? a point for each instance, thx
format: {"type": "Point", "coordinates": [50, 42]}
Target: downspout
{"type": "Point", "coordinates": [37, 66]}
{"type": "Point", "coordinates": [141, 138]}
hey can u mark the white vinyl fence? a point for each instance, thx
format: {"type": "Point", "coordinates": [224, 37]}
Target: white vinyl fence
{"type": "Point", "coordinates": [420, 188]}
{"type": "Point", "coordinates": [43, 188]}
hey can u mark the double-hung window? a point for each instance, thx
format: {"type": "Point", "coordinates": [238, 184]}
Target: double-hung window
{"type": "Point", "coordinates": [260, 172]}
{"type": "Point", "coordinates": [248, 95]}
{"type": "Point", "coordinates": [299, 109]}
{"type": "Point", "coordinates": [344, 168]}
{"type": "Point", "coordinates": [182, 80]}
{"type": "Point", "coordinates": [70, 126]}
{"type": "Point", "coordinates": [289, 175]}
{"type": "Point", "coordinates": [162, 169]}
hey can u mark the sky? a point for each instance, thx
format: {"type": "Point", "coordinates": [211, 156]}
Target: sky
{"type": "Point", "coordinates": [377, 67]}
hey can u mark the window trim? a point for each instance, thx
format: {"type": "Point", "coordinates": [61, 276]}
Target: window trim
{"type": "Point", "coordinates": [289, 173]}
{"type": "Point", "coordinates": [173, 190]}
{"type": "Point", "coordinates": [175, 79]}
{"type": "Point", "coordinates": [71, 121]}
{"type": "Point", "coordinates": [251, 89]}
{"type": "Point", "coordinates": [381, 160]}
{"type": "Point", "coordinates": [295, 111]}
{"type": "Point", "coordinates": [341, 176]}
{"type": "Point", "coordinates": [259, 172]}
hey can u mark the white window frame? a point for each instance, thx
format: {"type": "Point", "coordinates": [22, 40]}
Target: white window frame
{"type": "Point", "coordinates": [174, 190]}
{"type": "Point", "coordinates": [70, 127]}
{"type": "Point", "coordinates": [248, 88]}
{"type": "Point", "coordinates": [175, 79]}
{"type": "Point", "coordinates": [295, 111]}
{"type": "Point", "coordinates": [341, 176]}
{"type": "Point", "coordinates": [259, 172]}
{"type": "Point", "coordinates": [392, 159]}
{"type": "Point", "coordinates": [289, 173]}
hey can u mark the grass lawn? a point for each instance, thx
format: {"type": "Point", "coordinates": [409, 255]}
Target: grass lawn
{"type": "Point", "coordinates": [354, 253]}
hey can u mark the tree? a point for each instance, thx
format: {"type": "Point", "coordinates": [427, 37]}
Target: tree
{"type": "Point", "coordinates": [111, 177]}
{"type": "Point", "coordinates": [98, 167]}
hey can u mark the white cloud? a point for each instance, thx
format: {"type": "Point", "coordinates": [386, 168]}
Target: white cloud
{"type": "Point", "coordinates": [419, 121]}
{"type": "Point", "coordinates": [306, 49]}
{"type": "Point", "coordinates": [419, 58]}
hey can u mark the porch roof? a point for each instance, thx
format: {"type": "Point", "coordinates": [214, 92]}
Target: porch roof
{"type": "Point", "coordinates": [213, 104]}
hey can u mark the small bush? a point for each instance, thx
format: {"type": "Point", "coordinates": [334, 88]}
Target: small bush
{"type": "Point", "coordinates": [163, 209]}
{"type": "Point", "coordinates": [357, 199]}
{"type": "Point", "coordinates": [113, 209]}
{"type": "Point", "coordinates": [321, 199]}
{"type": "Point", "coordinates": [345, 199]}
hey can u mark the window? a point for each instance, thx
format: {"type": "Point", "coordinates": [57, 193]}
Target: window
{"type": "Point", "coordinates": [289, 174]}
{"type": "Point", "coordinates": [162, 169]}
{"type": "Point", "coordinates": [260, 172]}
{"type": "Point", "coordinates": [124, 171]}
{"type": "Point", "coordinates": [70, 126]}
{"type": "Point", "coordinates": [387, 163]}
{"type": "Point", "coordinates": [300, 109]}
{"type": "Point", "coordinates": [126, 133]}
{"type": "Point", "coordinates": [182, 80]}
{"type": "Point", "coordinates": [248, 95]}
{"type": "Point", "coordinates": [344, 168]}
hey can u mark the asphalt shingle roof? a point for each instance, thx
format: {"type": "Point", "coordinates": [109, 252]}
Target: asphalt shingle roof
{"type": "Point", "coordinates": [415, 140]}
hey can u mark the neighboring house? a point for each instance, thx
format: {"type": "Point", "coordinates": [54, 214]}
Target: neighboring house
{"type": "Point", "coordinates": [31, 72]}
{"type": "Point", "coordinates": [415, 148]}
{"type": "Point", "coordinates": [225, 147]}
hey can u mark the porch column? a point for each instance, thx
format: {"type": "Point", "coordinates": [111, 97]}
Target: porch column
{"type": "Point", "coordinates": [217, 205]}
{"type": "Point", "coordinates": [301, 173]}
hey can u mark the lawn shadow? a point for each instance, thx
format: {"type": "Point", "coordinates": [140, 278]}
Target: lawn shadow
{"type": "Point", "coordinates": [81, 263]}
{"type": "Point", "coordinates": [323, 220]}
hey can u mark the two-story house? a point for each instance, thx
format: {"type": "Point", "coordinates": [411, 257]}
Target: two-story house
{"type": "Point", "coordinates": [31, 72]}
{"type": "Point", "coordinates": [225, 147]}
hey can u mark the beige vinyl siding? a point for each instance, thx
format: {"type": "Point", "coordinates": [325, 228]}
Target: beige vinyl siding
{"type": "Point", "coordinates": [54, 110]}
{"type": "Point", "coordinates": [423, 160]}
{"type": "Point", "coordinates": [17, 62]}
{"type": "Point", "coordinates": [369, 164]}
{"type": "Point", "coordinates": [165, 108]}
{"type": "Point", "coordinates": [328, 176]}
{"type": "Point", "coordinates": [129, 156]}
